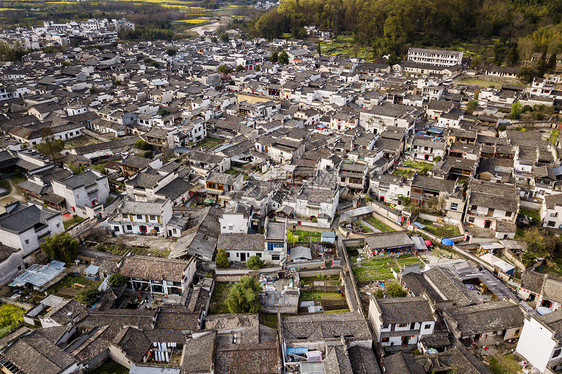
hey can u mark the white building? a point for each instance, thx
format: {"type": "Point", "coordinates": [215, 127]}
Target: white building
{"type": "Point", "coordinates": [400, 321]}
{"type": "Point", "coordinates": [144, 218]}
{"type": "Point", "coordinates": [551, 211]}
{"type": "Point", "coordinates": [26, 226]}
{"type": "Point", "coordinates": [84, 193]}
{"type": "Point", "coordinates": [541, 342]}
{"type": "Point", "coordinates": [436, 57]}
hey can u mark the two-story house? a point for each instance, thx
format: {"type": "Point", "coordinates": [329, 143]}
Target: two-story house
{"type": "Point", "coordinates": [541, 342]}
{"type": "Point", "coordinates": [402, 321]}
{"type": "Point", "coordinates": [144, 218]}
{"type": "Point", "coordinates": [551, 211]}
{"type": "Point", "coordinates": [84, 193]}
{"type": "Point", "coordinates": [25, 227]}
{"type": "Point", "coordinates": [490, 203]}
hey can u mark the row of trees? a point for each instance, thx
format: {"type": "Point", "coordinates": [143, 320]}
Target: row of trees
{"type": "Point", "coordinates": [388, 26]}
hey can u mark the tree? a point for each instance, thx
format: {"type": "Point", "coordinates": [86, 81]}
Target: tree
{"type": "Point", "coordinates": [50, 146]}
{"type": "Point", "coordinates": [172, 52]}
{"type": "Point", "coordinates": [542, 64]}
{"type": "Point", "coordinates": [393, 59]}
{"type": "Point", "coordinates": [60, 247]}
{"type": "Point", "coordinates": [88, 296]}
{"type": "Point", "coordinates": [244, 296]}
{"type": "Point", "coordinates": [471, 106]}
{"type": "Point", "coordinates": [254, 263]}
{"type": "Point", "coordinates": [117, 280]}
{"type": "Point", "coordinates": [395, 290]}
{"type": "Point", "coordinates": [526, 74]}
{"type": "Point", "coordinates": [551, 64]}
{"type": "Point", "coordinates": [224, 37]}
{"type": "Point", "coordinates": [274, 57]}
{"type": "Point", "coordinates": [224, 69]}
{"type": "Point", "coordinates": [283, 58]}
{"type": "Point", "coordinates": [75, 169]}
{"type": "Point", "coordinates": [221, 259]}
{"type": "Point", "coordinates": [512, 56]}
{"type": "Point", "coordinates": [516, 109]}
{"type": "Point", "coordinates": [142, 145]}
{"type": "Point", "coordinates": [240, 68]}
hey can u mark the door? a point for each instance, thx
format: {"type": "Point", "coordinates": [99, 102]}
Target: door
{"type": "Point", "coordinates": [142, 229]}
{"type": "Point", "coordinates": [487, 224]}
{"type": "Point", "coordinates": [405, 340]}
{"type": "Point", "coordinates": [242, 257]}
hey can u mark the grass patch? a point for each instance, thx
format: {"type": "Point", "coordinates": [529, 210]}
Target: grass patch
{"type": "Point", "coordinates": [336, 311]}
{"type": "Point", "coordinates": [70, 281]}
{"type": "Point", "coordinates": [123, 250]}
{"type": "Point", "coordinates": [210, 143]}
{"type": "Point", "coordinates": [420, 165]}
{"type": "Point", "coordinates": [220, 293]}
{"type": "Point", "coordinates": [444, 231]}
{"type": "Point", "coordinates": [190, 21]}
{"type": "Point", "coordinates": [269, 320]}
{"type": "Point", "coordinates": [373, 269]}
{"type": "Point", "coordinates": [300, 236]}
{"type": "Point", "coordinates": [11, 317]}
{"type": "Point", "coordinates": [317, 296]}
{"type": "Point", "coordinates": [379, 224]}
{"type": "Point", "coordinates": [531, 213]}
{"type": "Point", "coordinates": [111, 367]}
{"type": "Point", "coordinates": [406, 172]}
{"type": "Point", "coordinates": [344, 45]}
{"type": "Point", "coordinates": [365, 227]}
{"type": "Point", "coordinates": [504, 364]}
{"type": "Point", "coordinates": [553, 136]}
{"type": "Point", "coordinates": [75, 219]}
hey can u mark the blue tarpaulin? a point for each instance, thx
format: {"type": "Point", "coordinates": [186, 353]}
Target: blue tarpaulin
{"type": "Point", "coordinates": [447, 242]}
{"type": "Point", "coordinates": [296, 350]}
{"type": "Point", "coordinates": [419, 225]}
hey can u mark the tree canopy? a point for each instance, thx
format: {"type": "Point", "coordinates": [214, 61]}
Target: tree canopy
{"type": "Point", "coordinates": [117, 280]}
{"type": "Point", "coordinates": [61, 247]}
{"type": "Point", "coordinates": [50, 146]}
{"type": "Point", "coordinates": [244, 296]}
{"type": "Point", "coordinates": [388, 26]}
{"type": "Point", "coordinates": [221, 259]}
{"type": "Point", "coordinates": [254, 263]}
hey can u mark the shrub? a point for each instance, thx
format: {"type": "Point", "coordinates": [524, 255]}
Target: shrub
{"type": "Point", "coordinates": [254, 263]}
{"type": "Point", "coordinates": [221, 259]}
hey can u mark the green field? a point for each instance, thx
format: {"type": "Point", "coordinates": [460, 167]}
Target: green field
{"type": "Point", "coordinates": [300, 236]}
{"type": "Point", "coordinates": [344, 46]}
{"type": "Point", "coordinates": [377, 269]}
{"type": "Point", "coordinates": [220, 293]}
{"type": "Point", "coordinates": [11, 317]}
{"type": "Point", "coordinates": [443, 231]}
{"type": "Point", "coordinates": [379, 224]}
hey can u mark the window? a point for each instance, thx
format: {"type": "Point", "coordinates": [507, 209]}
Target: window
{"type": "Point", "coordinates": [129, 227]}
{"type": "Point", "coordinates": [275, 257]}
{"type": "Point", "coordinates": [551, 223]}
{"type": "Point", "coordinates": [26, 241]}
{"type": "Point", "coordinates": [508, 214]}
{"type": "Point", "coordinates": [555, 214]}
{"type": "Point", "coordinates": [153, 217]}
{"type": "Point", "coordinates": [427, 326]}
{"type": "Point", "coordinates": [139, 216]}
{"type": "Point", "coordinates": [556, 353]}
{"type": "Point", "coordinates": [116, 228]}
{"type": "Point", "coordinates": [385, 339]}
{"type": "Point", "coordinates": [474, 207]}
{"type": "Point", "coordinates": [454, 206]}
{"type": "Point", "coordinates": [471, 219]}
{"type": "Point", "coordinates": [157, 229]}
{"type": "Point", "coordinates": [58, 225]}
{"type": "Point", "coordinates": [259, 255]}
{"type": "Point", "coordinates": [403, 324]}
{"type": "Point", "coordinates": [231, 227]}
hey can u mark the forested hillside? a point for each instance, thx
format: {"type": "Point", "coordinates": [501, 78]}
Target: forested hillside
{"type": "Point", "coordinates": [394, 25]}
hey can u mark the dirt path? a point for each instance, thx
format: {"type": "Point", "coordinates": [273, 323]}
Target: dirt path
{"type": "Point", "coordinates": [11, 197]}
